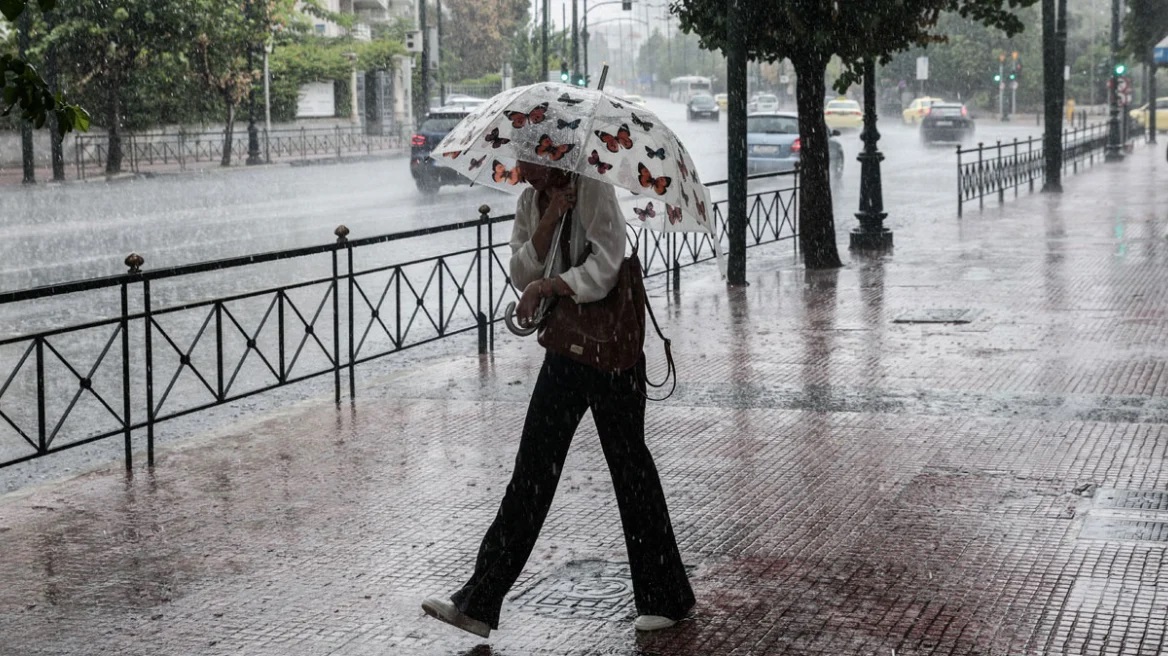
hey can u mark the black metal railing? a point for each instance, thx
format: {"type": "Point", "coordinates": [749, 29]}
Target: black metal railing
{"type": "Point", "coordinates": [987, 170]}
{"type": "Point", "coordinates": [184, 149]}
{"type": "Point", "coordinates": [157, 356]}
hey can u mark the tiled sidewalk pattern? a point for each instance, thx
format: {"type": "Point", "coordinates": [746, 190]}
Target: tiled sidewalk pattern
{"type": "Point", "coordinates": [843, 479]}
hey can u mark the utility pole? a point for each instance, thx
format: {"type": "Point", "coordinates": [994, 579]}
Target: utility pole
{"type": "Point", "coordinates": [26, 152]}
{"type": "Point", "coordinates": [253, 136]}
{"type": "Point", "coordinates": [575, 39]}
{"type": "Point", "coordinates": [1114, 150]}
{"type": "Point", "coordinates": [424, 102]}
{"type": "Point", "coordinates": [1054, 25]}
{"type": "Point", "coordinates": [1002, 87]}
{"type": "Point", "coordinates": [736, 142]}
{"type": "Point", "coordinates": [441, 76]}
{"type": "Point", "coordinates": [544, 67]}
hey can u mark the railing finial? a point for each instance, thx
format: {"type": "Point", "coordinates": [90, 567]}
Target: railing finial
{"type": "Point", "coordinates": [342, 233]}
{"type": "Point", "coordinates": [135, 262]}
{"type": "Point", "coordinates": [484, 209]}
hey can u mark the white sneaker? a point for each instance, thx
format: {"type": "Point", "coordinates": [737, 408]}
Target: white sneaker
{"type": "Point", "coordinates": [446, 611]}
{"type": "Point", "coordinates": [653, 623]}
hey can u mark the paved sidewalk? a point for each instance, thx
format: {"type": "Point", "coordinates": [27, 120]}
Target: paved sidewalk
{"type": "Point", "coordinates": [843, 478]}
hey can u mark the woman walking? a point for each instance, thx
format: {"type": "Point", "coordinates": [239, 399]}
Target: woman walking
{"type": "Point", "coordinates": [564, 390]}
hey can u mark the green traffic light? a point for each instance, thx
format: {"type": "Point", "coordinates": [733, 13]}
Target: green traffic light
{"type": "Point", "coordinates": [1120, 69]}
{"type": "Point", "coordinates": [997, 78]}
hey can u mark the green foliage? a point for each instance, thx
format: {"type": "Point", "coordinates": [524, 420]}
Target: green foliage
{"type": "Point", "coordinates": [1144, 26]}
{"type": "Point", "coordinates": [479, 34]}
{"type": "Point", "coordinates": [24, 89]}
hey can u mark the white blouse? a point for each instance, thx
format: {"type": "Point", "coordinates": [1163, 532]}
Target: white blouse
{"type": "Point", "coordinates": [596, 220]}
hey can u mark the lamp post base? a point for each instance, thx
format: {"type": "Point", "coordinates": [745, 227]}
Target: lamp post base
{"type": "Point", "coordinates": [878, 240]}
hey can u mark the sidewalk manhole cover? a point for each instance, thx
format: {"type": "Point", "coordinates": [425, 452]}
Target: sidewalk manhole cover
{"type": "Point", "coordinates": [1124, 530]}
{"type": "Point", "coordinates": [587, 589]}
{"type": "Point", "coordinates": [937, 315]}
{"type": "Point", "coordinates": [1154, 500]}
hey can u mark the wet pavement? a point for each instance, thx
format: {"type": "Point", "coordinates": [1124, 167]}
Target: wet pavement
{"type": "Point", "coordinates": [956, 448]}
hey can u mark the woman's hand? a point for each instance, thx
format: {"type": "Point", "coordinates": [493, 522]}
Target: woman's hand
{"type": "Point", "coordinates": [560, 200]}
{"type": "Point", "coordinates": [528, 303]}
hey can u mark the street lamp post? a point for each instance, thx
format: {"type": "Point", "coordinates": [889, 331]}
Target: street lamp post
{"type": "Point", "coordinates": [871, 234]}
{"type": "Point", "coordinates": [26, 152]}
{"type": "Point", "coordinates": [1114, 150]}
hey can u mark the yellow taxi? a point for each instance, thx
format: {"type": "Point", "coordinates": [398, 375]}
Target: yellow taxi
{"type": "Point", "coordinates": [722, 100]}
{"type": "Point", "coordinates": [917, 110]}
{"type": "Point", "coordinates": [1141, 115]}
{"type": "Point", "coordinates": [843, 114]}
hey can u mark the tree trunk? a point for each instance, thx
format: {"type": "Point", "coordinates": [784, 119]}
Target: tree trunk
{"type": "Point", "coordinates": [816, 222]}
{"type": "Point", "coordinates": [228, 133]}
{"type": "Point", "coordinates": [113, 162]}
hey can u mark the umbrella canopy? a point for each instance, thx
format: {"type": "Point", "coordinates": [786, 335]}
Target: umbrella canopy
{"type": "Point", "coordinates": [590, 133]}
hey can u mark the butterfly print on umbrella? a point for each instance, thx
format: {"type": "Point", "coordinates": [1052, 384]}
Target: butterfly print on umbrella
{"type": "Point", "coordinates": [659, 185]}
{"type": "Point", "coordinates": [561, 124]}
{"type": "Point", "coordinates": [683, 196]}
{"type": "Point", "coordinates": [475, 163]}
{"type": "Point", "coordinates": [616, 105]}
{"type": "Point", "coordinates": [569, 100]}
{"type": "Point", "coordinates": [659, 153]}
{"type": "Point", "coordinates": [681, 167]}
{"type": "Point", "coordinates": [535, 116]}
{"type": "Point", "coordinates": [701, 210]}
{"type": "Point", "coordinates": [453, 154]}
{"type": "Point", "coordinates": [494, 139]}
{"type": "Point", "coordinates": [615, 142]}
{"type": "Point", "coordinates": [647, 212]}
{"type": "Point", "coordinates": [503, 174]}
{"type": "Point", "coordinates": [674, 213]}
{"type": "Point", "coordinates": [601, 167]}
{"type": "Point", "coordinates": [645, 124]}
{"type": "Point", "coordinates": [549, 149]}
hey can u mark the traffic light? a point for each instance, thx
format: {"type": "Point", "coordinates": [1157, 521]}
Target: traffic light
{"type": "Point", "coordinates": [1013, 75]}
{"type": "Point", "coordinates": [1017, 70]}
{"type": "Point", "coordinates": [564, 76]}
{"type": "Point", "coordinates": [997, 77]}
{"type": "Point", "coordinates": [627, 5]}
{"type": "Point", "coordinates": [581, 80]}
{"type": "Point", "coordinates": [1120, 68]}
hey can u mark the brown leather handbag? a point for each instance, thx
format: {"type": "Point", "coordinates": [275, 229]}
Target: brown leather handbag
{"type": "Point", "coordinates": [608, 334]}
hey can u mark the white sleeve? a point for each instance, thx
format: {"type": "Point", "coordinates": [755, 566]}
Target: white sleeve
{"type": "Point", "coordinates": [525, 263]}
{"type": "Point", "coordinates": [599, 213]}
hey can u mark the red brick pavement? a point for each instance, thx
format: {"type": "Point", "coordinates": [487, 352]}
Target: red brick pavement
{"type": "Point", "coordinates": [841, 481]}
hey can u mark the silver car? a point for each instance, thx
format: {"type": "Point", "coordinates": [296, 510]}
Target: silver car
{"type": "Point", "coordinates": [773, 145]}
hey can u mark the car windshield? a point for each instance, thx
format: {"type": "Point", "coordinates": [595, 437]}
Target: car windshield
{"type": "Point", "coordinates": [767, 99]}
{"type": "Point", "coordinates": [440, 123]}
{"type": "Point", "coordinates": [843, 104]}
{"type": "Point", "coordinates": [772, 125]}
{"type": "Point", "coordinates": [701, 101]}
{"type": "Point", "coordinates": [945, 110]}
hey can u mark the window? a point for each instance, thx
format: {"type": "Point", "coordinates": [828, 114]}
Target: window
{"type": "Point", "coordinates": [772, 125]}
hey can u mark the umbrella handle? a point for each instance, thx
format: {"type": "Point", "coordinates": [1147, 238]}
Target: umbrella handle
{"type": "Point", "coordinates": [540, 315]}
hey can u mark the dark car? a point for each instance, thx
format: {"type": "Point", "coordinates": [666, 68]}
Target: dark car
{"type": "Point", "coordinates": [702, 106]}
{"type": "Point", "coordinates": [946, 122]}
{"type": "Point", "coordinates": [428, 176]}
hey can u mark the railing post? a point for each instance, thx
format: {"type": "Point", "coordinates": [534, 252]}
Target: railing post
{"type": "Point", "coordinates": [959, 182]}
{"type": "Point", "coordinates": [303, 143]}
{"type": "Point", "coordinates": [484, 211]}
{"type": "Point", "coordinates": [148, 317]}
{"type": "Point", "coordinates": [338, 130]}
{"type": "Point", "coordinates": [42, 429]}
{"type": "Point", "coordinates": [673, 250]}
{"type": "Point", "coordinates": [282, 345]}
{"type": "Point", "coordinates": [220, 393]}
{"type": "Point", "coordinates": [998, 177]}
{"type": "Point", "coordinates": [980, 176]}
{"type": "Point", "coordinates": [1030, 162]}
{"type": "Point", "coordinates": [1014, 169]}
{"type": "Point", "coordinates": [352, 345]}
{"type": "Point", "coordinates": [77, 157]}
{"type": "Point", "coordinates": [134, 262]}
{"type": "Point", "coordinates": [342, 239]}
{"type": "Point", "coordinates": [480, 316]}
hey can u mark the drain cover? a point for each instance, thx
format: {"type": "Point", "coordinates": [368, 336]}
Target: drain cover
{"type": "Point", "coordinates": [956, 315]}
{"type": "Point", "coordinates": [1155, 500]}
{"type": "Point", "coordinates": [1111, 528]}
{"type": "Point", "coordinates": [587, 589]}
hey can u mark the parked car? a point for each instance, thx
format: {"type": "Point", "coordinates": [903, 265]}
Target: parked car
{"type": "Point", "coordinates": [843, 114]}
{"type": "Point", "coordinates": [634, 98]}
{"type": "Point", "coordinates": [722, 99]}
{"type": "Point", "coordinates": [702, 106]}
{"type": "Point", "coordinates": [946, 122]}
{"type": "Point", "coordinates": [1141, 115]}
{"type": "Point", "coordinates": [428, 176]}
{"type": "Point", "coordinates": [763, 102]}
{"type": "Point", "coordinates": [916, 110]}
{"type": "Point", "coordinates": [773, 144]}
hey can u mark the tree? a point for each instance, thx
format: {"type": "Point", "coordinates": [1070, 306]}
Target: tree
{"type": "Point", "coordinates": [479, 34]}
{"type": "Point", "coordinates": [808, 33]}
{"type": "Point", "coordinates": [24, 88]}
{"type": "Point", "coordinates": [1145, 24]}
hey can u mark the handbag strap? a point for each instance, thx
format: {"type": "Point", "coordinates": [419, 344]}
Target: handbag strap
{"type": "Point", "coordinates": [671, 371]}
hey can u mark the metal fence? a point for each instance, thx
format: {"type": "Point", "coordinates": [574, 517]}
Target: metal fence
{"type": "Point", "coordinates": [146, 361]}
{"type": "Point", "coordinates": [181, 149]}
{"type": "Point", "coordinates": [1001, 167]}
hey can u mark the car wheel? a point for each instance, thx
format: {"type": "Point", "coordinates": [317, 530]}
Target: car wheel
{"type": "Point", "coordinates": [427, 185]}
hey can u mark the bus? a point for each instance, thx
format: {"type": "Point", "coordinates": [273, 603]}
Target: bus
{"type": "Point", "coordinates": [681, 89]}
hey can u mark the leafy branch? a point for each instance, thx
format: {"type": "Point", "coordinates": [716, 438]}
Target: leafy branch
{"type": "Point", "coordinates": [24, 88]}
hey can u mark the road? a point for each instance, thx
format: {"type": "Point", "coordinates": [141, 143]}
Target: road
{"type": "Point", "coordinates": [54, 234]}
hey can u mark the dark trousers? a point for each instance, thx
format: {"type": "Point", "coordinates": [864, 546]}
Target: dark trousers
{"type": "Point", "coordinates": [564, 390]}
